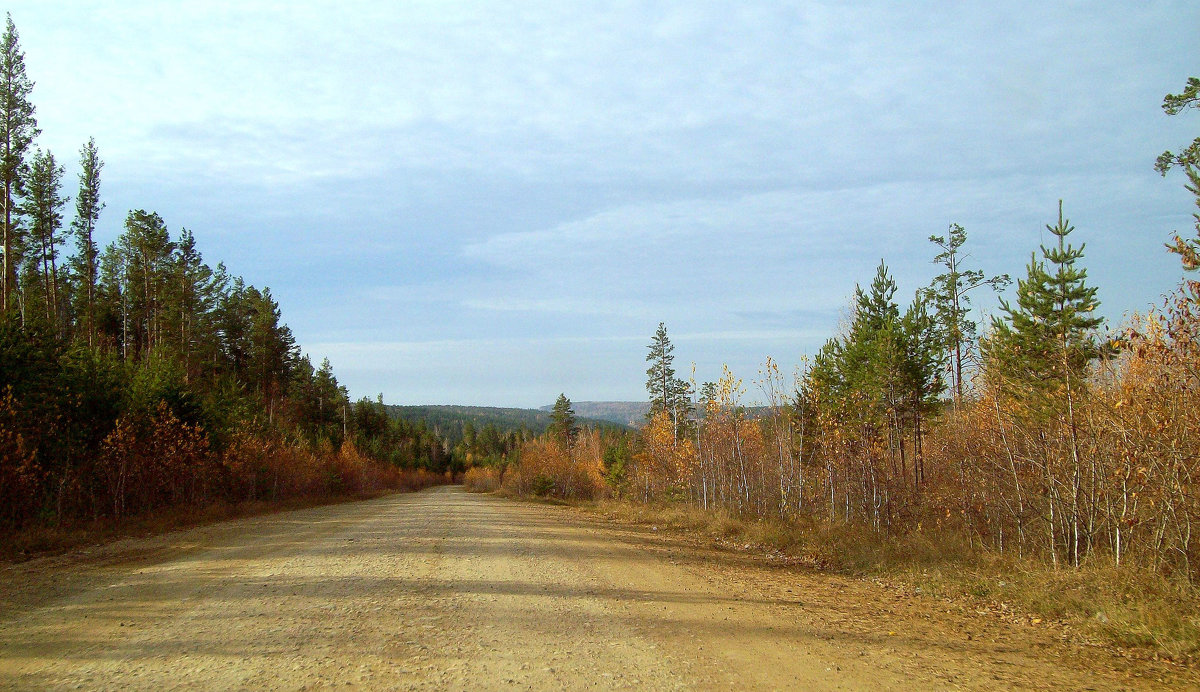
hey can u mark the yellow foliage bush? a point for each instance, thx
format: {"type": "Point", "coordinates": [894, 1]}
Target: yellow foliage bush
{"type": "Point", "coordinates": [481, 479]}
{"type": "Point", "coordinates": [548, 467]}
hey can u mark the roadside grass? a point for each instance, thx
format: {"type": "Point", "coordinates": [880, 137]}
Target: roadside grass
{"type": "Point", "coordinates": [1132, 608]}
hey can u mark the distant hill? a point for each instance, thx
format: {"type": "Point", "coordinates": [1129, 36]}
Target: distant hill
{"type": "Point", "coordinates": [630, 413]}
{"type": "Point", "coordinates": [449, 420]}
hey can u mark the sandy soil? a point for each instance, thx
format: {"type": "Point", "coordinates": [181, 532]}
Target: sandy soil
{"type": "Point", "coordinates": [446, 590]}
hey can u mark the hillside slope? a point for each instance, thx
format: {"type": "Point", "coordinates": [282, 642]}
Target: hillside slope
{"type": "Point", "coordinates": [449, 420]}
{"type": "Point", "coordinates": [630, 413]}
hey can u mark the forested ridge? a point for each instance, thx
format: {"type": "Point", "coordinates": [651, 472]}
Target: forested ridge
{"type": "Point", "coordinates": [485, 435]}
{"type": "Point", "coordinates": [139, 375]}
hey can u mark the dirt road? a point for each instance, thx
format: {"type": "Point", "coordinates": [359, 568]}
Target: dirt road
{"type": "Point", "coordinates": [447, 590]}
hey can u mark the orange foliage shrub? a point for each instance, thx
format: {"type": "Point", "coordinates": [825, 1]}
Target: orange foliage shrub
{"type": "Point", "coordinates": [20, 474]}
{"type": "Point", "coordinates": [482, 479]}
{"type": "Point", "coordinates": [246, 461]}
{"type": "Point", "coordinates": [548, 467]}
{"type": "Point", "coordinates": [150, 464]}
{"type": "Point", "coordinates": [357, 474]}
{"type": "Point", "coordinates": [663, 463]}
{"type": "Point", "coordinates": [259, 469]}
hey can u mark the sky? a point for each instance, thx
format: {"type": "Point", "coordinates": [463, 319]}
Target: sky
{"type": "Point", "coordinates": [491, 203]}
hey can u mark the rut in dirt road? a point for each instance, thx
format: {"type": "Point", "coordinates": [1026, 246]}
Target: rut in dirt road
{"type": "Point", "coordinates": [446, 590]}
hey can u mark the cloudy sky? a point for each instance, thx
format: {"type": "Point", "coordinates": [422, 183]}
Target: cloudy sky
{"type": "Point", "coordinates": [491, 203]}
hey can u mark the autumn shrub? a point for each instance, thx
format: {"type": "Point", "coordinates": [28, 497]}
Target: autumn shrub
{"type": "Point", "coordinates": [483, 479]}
{"type": "Point", "coordinates": [549, 467]}
{"type": "Point", "coordinates": [412, 480]}
{"type": "Point", "coordinates": [353, 473]}
{"type": "Point", "coordinates": [20, 473]}
{"type": "Point", "coordinates": [246, 460]}
{"type": "Point", "coordinates": [146, 464]}
{"type": "Point", "coordinates": [663, 465]}
{"type": "Point", "coordinates": [350, 472]}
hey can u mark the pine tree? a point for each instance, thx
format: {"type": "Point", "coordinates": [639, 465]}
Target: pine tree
{"type": "Point", "coordinates": [922, 374]}
{"type": "Point", "coordinates": [85, 264]}
{"type": "Point", "coordinates": [1041, 353]}
{"type": "Point", "coordinates": [948, 294]}
{"type": "Point", "coordinates": [883, 379]}
{"type": "Point", "coordinates": [1174, 104]}
{"type": "Point", "coordinates": [1189, 158]}
{"type": "Point", "coordinates": [667, 392]}
{"type": "Point", "coordinates": [192, 297]}
{"type": "Point", "coordinates": [112, 300]}
{"type": "Point", "coordinates": [273, 348]}
{"type": "Point", "coordinates": [43, 206]}
{"type": "Point", "coordinates": [562, 421]}
{"type": "Point", "coordinates": [1189, 250]}
{"type": "Point", "coordinates": [147, 246]}
{"type": "Point", "coordinates": [332, 400]}
{"type": "Point", "coordinates": [1048, 340]}
{"type": "Point", "coordinates": [18, 128]}
{"type": "Point", "coordinates": [872, 355]}
{"type": "Point", "coordinates": [876, 308]}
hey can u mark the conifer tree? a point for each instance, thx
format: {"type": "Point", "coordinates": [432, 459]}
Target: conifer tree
{"type": "Point", "coordinates": [1042, 352]}
{"type": "Point", "coordinates": [562, 421]}
{"type": "Point", "coordinates": [18, 127]}
{"type": "Point", "coordinates": [273, 348]}
{"type": "Point", "coordinates": [147, 246]}
{"type": "Point", "coordinates": [112, 305]}
{"type": "Point", "coordinates": [883, 378]}
{"type": "Point", "coordinates": [948, 294]}
{"type": "Point", "coordinates": [42, 207]}
{"type": "Point", "coordinates": [922, 373]}
{"type": "Point", "coordinates": [1174, 104]}
{"type": "Point", "coordinates": [1189, 158]}
{"type": "Point", "coordinates": [87, 214]}
{"type": "Point", "coordinates": [872, 352]}
{"type": "Point", "coordinates": [1048, 339]}
{"type": "Point", "coordinates": [192, 296]}
{"type": "Point", "coordinates": [667, 392]}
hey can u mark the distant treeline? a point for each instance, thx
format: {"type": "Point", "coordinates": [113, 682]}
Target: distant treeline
{"type": "Point", "coordinates": [484, 435]}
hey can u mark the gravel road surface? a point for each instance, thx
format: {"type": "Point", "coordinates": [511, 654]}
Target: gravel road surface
{"type": "Point", "coordinates": [444, 589]}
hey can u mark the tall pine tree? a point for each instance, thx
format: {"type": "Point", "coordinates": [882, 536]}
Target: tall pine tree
{"type": "Point", "coordinates": [85, 263]}
{"type": "Point", "coordinates": [1189, 158]}
{"type": "Point", "coordinates": [948, 294]}
{"type": "Point", "coordinates": [42, 206]}
{"type": "Point", "coordinates": [667, 392]}
{"type": "Point", "coordinates": [562, 421]}
{"type": "Point", "coordinates": [147, 247]}
{"type": "Point", "coordinates": [18, 127]}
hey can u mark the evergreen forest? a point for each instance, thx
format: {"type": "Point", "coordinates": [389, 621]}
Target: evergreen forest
{"type": "Point", "coordinates": [139, 375]}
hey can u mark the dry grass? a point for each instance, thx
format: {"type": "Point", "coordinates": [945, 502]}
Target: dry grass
{"type": "Point", "coordinates": [1130, 608]}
